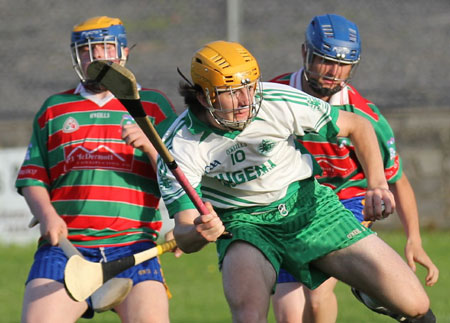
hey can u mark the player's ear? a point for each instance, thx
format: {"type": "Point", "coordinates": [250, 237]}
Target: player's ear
{"type": "Point", "coordinates": [202, 99]}
{"type": "Point", "coordinates": [126, 51]}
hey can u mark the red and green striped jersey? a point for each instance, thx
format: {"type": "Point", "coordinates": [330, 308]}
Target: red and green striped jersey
{"type": "Point", "coordinates": [341, 169]}
{"type": "Point", "coordinates": [104, 189]}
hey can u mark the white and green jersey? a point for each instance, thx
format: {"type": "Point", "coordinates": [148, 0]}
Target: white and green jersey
{"type": "Point", "coordinates": [255, 167]}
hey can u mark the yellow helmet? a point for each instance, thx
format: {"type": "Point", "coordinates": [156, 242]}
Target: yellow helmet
{"type": "Point", "coordinates": [97, 23]}
{"type": "Point", "coordinates": [227, 66]}
{"type": "Point", "coordinates": [221, 65]}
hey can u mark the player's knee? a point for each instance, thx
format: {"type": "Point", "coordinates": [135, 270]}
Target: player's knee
{"type": "Point", "coordinates": [248, 315]}
{"type": "Point", "coordinates": [317, 301]}
{"type": "Point", "coordinates": [315, 305]}
{"type": "Point", "coordinates": [247, 309]}
{"type": "Point", "coordinates": [287, 314]}
{"type": "Point", "coordinates": [419, 307]}
{"type": "Point", "coordinates": [427, 318]}
{"type": "Point", "coordinates": [286, 319]}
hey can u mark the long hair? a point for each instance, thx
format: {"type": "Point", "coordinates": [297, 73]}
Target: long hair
{"type": "Point", "coordinates": [189, 92]}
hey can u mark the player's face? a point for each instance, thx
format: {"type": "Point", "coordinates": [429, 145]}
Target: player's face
{"type": "Point", "coordinates": [97, 52]}
{"type": "Point", "coordinates": [328, 73]}
{"type": "Point", "coordinates": [235, 104]}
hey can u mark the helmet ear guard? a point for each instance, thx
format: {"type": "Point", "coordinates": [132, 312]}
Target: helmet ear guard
{"type": "Point", "coordinates": [223, 66]}
{"type": "Point", "coordinates": [98, 30]}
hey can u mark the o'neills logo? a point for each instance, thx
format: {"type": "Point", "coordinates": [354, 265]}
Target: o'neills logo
{"type": "Point", "coordinates": [70, 125]}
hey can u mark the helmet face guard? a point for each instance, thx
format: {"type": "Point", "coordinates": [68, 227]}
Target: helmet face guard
{"type": "Point", "coordinates": [252, 93]}
{"type": "Point", "coordinates": [221, 68]}
{"type": "Point", "coordinates": [94, 31]}
{"type": "Point", "coordinates": [314, 74]}
{"type": "Point", "coordinates": [330, 39]}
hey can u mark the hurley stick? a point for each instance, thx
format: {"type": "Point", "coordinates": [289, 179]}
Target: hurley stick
{"type": "Point", "coordinates": [122, 83]}
{"type": "Point", "coordinates": [83, 277]}
{"type": "Point", "coordinates": [64, 243]}
{"type": "Point", "coordinates": [111, 293]}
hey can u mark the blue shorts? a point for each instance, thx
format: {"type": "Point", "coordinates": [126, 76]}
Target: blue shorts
{"type": "Point", "coordinates": [49, 262]}
{"type": "Point", "coordinates": [355, 205]}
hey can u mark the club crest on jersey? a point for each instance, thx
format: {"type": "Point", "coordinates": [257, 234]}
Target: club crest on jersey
{"type": "Point", "coordinates": [126, 119]}
{"type": "Point", "coordinates": [70, 125]}
{"type": "Point", "coordinates": [164, 182]}
{"type": "Point", "coordinates": [314, 103]}
{"type": "Point", "coordinates": [343, 142]}
{"type": "Point", "coordinates": [266, 146]}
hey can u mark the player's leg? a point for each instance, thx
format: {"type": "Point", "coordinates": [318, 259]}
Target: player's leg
{"type": "Point", "coordinates": [248, 278]}
{"type": "Point", "coordinates": [47, 301]}
{"type": "Point", "coordinates": [321, 303]}
{"type": "Point", "coordinates": [147, 302]}
{"type": "Point", "coordinates": [356, 205]}
{"type": "Point", "coordinates": [373, 267]}
{"type": "Point", "coordinates": [295, 303]}
{"type": "Point", "coordinates": [375, 306]}
{"type": "Point", "coordinates": [288, 302]}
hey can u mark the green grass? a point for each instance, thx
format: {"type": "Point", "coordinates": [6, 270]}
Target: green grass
{"type": "Point", "coordinates": [196, 286]}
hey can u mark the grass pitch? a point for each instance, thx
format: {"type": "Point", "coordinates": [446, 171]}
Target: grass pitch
{"type": "Point", "coordinates": [195, 283]}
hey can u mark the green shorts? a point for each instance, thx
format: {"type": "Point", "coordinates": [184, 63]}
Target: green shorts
{"type": "Point", "coordinates": [311, 223]}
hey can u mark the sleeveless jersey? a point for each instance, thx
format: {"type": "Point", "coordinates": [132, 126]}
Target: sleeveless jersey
{"type": "Point", "coordinates": [254, 167]}
{"type": "Point", "coordinates": [341, 168]}
{"type": "Point", "coordinates": [104, 189]}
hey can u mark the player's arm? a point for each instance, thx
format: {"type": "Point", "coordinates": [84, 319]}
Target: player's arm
{"type": "Point", "coordinates": [133, 135]}
{"type": "Point", "coordinates": [193, 231]}
{"type": "Point", "coordinates": [360, 131]}
{"type": "Point", "coordinates": [409, 216]}
{"type": "Point", "coordinates": [52, 225]}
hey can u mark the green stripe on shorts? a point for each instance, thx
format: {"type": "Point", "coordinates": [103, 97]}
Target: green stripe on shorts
{"type": "Point", "coordinates": [316, 224]}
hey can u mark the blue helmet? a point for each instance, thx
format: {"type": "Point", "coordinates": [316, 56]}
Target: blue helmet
{"type": "Point", "coordinates": [333, 38]}
{"type": "Point", "coordinates": [98, 30]}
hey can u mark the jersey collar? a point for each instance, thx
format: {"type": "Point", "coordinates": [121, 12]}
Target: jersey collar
{"type": "Point", "coordinates": [196, 126]}
{"type": "Point", "coordinates": [81, 90]}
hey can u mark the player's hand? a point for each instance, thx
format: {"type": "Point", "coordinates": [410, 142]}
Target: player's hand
{"type": "Point", "coordinates": [176, 251]}
{"type": "Point", "coordinates": [209, 226]}
{"type": "Point", "coordinates": [414, 252]}
{"type": "Point", "coordinates": [379, 204]}
{"type": "Point", "coordinates": [133, 135]}
{"type": "Point", "coordinates": [52, 228]}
